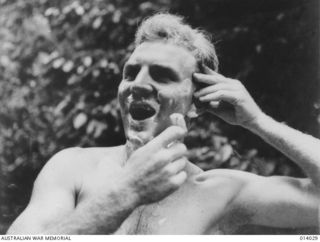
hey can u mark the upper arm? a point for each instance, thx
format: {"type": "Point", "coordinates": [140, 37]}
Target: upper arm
{"type": "Point", "coordinates": [280, 201]}
{"type": "Point", "coordinates": [53, 196]}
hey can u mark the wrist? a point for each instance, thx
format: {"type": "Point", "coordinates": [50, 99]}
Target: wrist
{"type": "Point", "coordinates": [127, 196]}
{"type": "Point", "coordinates": [256, 123]}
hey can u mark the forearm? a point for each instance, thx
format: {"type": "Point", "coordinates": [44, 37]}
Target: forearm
{"type": "Point", "coordinates": [102, 215]}
{"type": "Point", "coordinates": [303, 149]}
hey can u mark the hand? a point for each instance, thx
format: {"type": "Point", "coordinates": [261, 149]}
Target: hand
{"type": "Point", "coordinates": [227, 98]}
{"type": "Point", "coordinates": [157, 169]}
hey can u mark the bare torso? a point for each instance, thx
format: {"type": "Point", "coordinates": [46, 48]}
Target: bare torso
{"type": "Point", "coordinates": [219, 201]}
{"type": "Point", "coordinates": [186, 211]}
{"type": "Point", "coordinates": [180, 213]}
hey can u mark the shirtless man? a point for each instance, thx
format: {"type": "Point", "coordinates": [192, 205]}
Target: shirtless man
{"type": "Point", "coordinates": [147, 186]}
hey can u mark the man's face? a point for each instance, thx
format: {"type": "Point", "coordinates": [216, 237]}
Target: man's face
{"type": "Point", "coordinates": [157, 81]}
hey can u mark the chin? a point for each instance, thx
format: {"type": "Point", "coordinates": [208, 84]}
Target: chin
{"type": "Point", "coordinates": [141, 132]}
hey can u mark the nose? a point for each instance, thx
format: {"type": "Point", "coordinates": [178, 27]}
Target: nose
{"type": "Point", "coordinates": [142, 85]}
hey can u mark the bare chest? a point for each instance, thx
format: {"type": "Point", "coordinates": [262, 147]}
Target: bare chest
{"type": "Point", "coordinates": [154, 219]}
{"type": "Point", "coordinates": [198, 207]}
{"type": "Point", "coordinates": [178, 214]}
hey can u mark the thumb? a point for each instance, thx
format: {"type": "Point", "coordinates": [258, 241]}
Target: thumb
{"type": "Point", "coordinates": [177, 119]}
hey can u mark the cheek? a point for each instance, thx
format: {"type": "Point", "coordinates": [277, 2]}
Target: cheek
{"type": "Point", "coordinates": [123, 92]}
{"type": "Point", "coordinates": [177, 99]}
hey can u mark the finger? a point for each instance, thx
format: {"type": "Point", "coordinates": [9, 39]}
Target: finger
{"type": "Point", "coordinates": [221, 95]}
{"type": "Point", "coordinates": [207, 79]}
{"type": "Point", "coordinates": [176, 151]}
{"type": "Point", "coordinates": [178, 120]}
{"type": "Point", "coordinates": [208, 70]}
{"type": "Point", "coordinates": [179, 179]}
{"type": "Point", "coordinates": [176, 166]}
{"type": "Point", "coordinates": [213, 88]}
{"type": "Point", "coordinates": [169, 135]}
{"type": "Point", "coordinates": [211, 79]}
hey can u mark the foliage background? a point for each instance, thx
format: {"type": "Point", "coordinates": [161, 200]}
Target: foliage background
{"type": "Point", "coordinates": [61, 62]}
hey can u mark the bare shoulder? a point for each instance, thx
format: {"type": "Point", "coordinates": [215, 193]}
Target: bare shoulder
{"type": "Point", "coordinates": [218, 191]}
{"type": "Point", "coordinates": [79, 157]}
{"type": "Point", "coordinates": [224, 184]}
{"type": "Point", "coordinates": [248, 185]}
{"type": "Point", "coordinates": [69, 164]}
{"type": "Point", "coordinates": [57, 169]}
{"type": "Point", "coordinates": [268, 201]}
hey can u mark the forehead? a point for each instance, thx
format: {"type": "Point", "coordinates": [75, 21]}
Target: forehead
{"type": "Point", "coordinates": [166, 54]}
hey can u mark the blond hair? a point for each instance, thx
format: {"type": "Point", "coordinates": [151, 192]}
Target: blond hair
{"type": "Point", "coordinates": [173, 29]}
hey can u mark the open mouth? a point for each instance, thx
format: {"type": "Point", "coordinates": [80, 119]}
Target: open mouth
{"type": "Point", "coordinates": [141, 110]}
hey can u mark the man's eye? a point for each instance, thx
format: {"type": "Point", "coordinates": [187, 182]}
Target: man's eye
{"type": "Point", "coordinates": [130, 72]}
{"type": "Point", "coordinates": [162, 75]}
